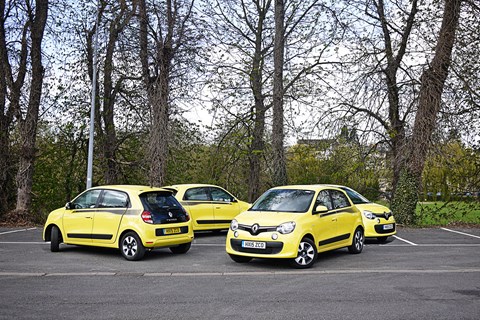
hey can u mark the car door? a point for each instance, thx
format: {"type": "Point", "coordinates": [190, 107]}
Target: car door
{"type": "Point", "coordinates": [199, 205]}
{"type": "Point", "coordinates": [345, 214]}
{"type": "Point", "coordinates": [110, 210]}
{"type": "Point", "coordinates": [78, 217]}
{"type": "Point", "coordinates": [326, 227]}
{"type": "Point", "coordinates": [225, 207]}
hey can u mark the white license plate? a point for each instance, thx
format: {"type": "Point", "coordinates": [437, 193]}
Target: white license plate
{"type": "Point", "coordinates": [387, 226]}
{"type": "Point", "coordinates": [254, 245]}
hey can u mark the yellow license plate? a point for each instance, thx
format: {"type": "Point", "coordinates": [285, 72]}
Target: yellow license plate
{"type": "Point", "coordinates": [172, 230]}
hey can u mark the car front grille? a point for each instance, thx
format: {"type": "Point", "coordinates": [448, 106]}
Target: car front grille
{"type": "Point", "coordinates": [379, 229]}
{"type": "Point", "coordinates": [271, 247]}
{"type": "Point", "coordinates": [260, 229]}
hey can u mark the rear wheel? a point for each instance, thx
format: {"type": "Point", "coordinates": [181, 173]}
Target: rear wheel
{"type": "Point", "coordinates": [357, 242]}
{"type": "Point", "coordinates": [55, 239]}
{"type": "Point", "coordinates": [239, 259]}
{"type": "Point", "coordinates": [183, 248]}
{"type": "Point", "coordinates": [307, 254]}
{"type": "Point", "coordinates": [131, 247]}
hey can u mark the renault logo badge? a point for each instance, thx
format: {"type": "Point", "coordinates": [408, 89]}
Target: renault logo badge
{"type": "Point", "coordinates": [170, 214]}
{"type": "Point", "coordinates": [387, 215]}
{"type": "Point", "coordinates": [255, 228]}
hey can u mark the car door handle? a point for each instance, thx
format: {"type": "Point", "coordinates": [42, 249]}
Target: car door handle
{"type": "Point", "coordinates": [88, 217]}
{"type": "Point", "coordinates": [334, 219]}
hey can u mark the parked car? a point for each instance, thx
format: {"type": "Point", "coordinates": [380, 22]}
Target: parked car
{"type": "Point", "coordinates": [378, 220]}
{"type": "Point", "coordinates": [295, 223]}
{"type": "Point", "coordinates": [211, 207]}
{"type": "Point", "coordinates": [131, 218]}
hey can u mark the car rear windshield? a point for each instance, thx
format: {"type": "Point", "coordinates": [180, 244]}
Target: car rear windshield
{"type": "Point", "coordinates": [159, 202]}
{"type": "Point", "coordinates": [284, 200]}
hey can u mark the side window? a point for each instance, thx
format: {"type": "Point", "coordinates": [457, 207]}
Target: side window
{"type": "Point", "coordinates": [324, 199]}
{"type": "Point", "coordinates": [87, 199]}
{"type": "Point", "coordinates": [200, 194]}
{"type": "Point", "coordinates": [220, 195]}
{"type": "Point", "coordinates": [114, 199]}
{"type": "Point", "coordinates": [339, 199]}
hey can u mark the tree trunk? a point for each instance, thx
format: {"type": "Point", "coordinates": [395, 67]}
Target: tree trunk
{"type": "Point", "coordinates": [257, 148]}
{"type": "Point", "coordinates": [432, 84]}
{"type": "Point", "coordinates": [158, 89]}
{"type": "Point", "coordinates": [28, 126]}
{"type": "Point", "coordinates": [279, 163]}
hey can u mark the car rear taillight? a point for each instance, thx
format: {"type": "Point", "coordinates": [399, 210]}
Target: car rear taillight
{"type": "Point", "coordinates": [187, 216]}
{"type": "Point", "coordinates": [147, 217]}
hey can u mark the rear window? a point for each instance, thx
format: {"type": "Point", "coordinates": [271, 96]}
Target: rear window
{"type": "Point", "coordinates": [159, 201]}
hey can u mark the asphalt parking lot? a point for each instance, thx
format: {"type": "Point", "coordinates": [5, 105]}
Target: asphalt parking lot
{"type": "Point", "coordinates": [420, 273]}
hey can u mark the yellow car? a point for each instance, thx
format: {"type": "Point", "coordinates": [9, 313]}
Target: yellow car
{"type": "Point", "coordinates": [211, 207]}
{"type": "Point", "coordinates": [378, 220]}
{"type": "Point", "coordinates": [131, 218]}
{"type": "Point", "coordinates": [295, 223]}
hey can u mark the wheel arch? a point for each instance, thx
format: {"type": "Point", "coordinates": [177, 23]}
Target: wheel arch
{"type": "Point", "coordinates": [48, 232]}
{"type": "Point", "coordinates": [120, 237]}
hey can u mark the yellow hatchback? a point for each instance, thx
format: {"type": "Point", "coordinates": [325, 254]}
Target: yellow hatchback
{"type": "Point", "coordinates": [211, 207]}
{"type": "Point", "coordinates": [295, 223]}
{"type": "Point", "coordinates": [131, 218]}
{"type": "Point", "coordinates": [378, 220]}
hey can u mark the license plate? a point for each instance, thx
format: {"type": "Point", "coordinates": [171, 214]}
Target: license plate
{"type": "Point", "coordinates": [172, 230]}
{"type": "Point", "coordinates": [254, 245]}
{"type": "Point", "coordinates": [387, 226]}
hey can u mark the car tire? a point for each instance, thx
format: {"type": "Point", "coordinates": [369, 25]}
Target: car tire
{"type": "Point", "coordinates": [240, 259]}
{"type": "Point", "coordinates": [131, 247]}
{"type": "Point", "coordinates": [358, 242]}
{"type": "Point", "coordinates": [183, 248]}
{"type": "Point", "coordinates": [382, 239]}
{"type": "Point", "coordinates": [55, 239]}
{"type": "Point", "coordinates": [306, 256]}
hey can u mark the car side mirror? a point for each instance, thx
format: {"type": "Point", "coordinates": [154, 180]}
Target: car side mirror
{"type": "Point", "coordinates": [234, 200]}
{"type": "Point", "coordinates": [320, 209]}
{"type": "Point", "coordinates": [70, 206]}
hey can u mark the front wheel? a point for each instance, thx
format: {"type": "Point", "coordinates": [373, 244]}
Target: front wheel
{"type": "Point", "coordinates": [55, 239]}
{"type": "Point", "coordinates": [183, 248]}
{"type": "Point", "coordinates": [357, 242]}
{"type": "Point", "coordinates": [239, 259]}
{"type": "Point", "coordinates": [306, 256]}
{"type": "Point", "coordinates": [131, 247]}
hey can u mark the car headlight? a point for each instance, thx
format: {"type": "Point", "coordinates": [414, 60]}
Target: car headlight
{"type": "Point", "coordinates": [368, 214]}
{"type": "Point", "coordinates": [286, 228]}
{"type": "Point", "coordinates": [234, 225]}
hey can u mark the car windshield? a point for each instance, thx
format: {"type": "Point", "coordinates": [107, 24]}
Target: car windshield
{"type": "Point", "coordinates": [356, 197]}
{"type": "Point", "coordinates": [284, 200]}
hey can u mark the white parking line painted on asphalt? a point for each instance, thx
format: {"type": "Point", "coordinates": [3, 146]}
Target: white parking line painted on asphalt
{"type": "Point", "coordinates": [409, 242]}
{"type": "Point", "coordinates": [24, 242]}
{"type": "Point", "coordinates": [245, 273]}
{"type": "Point", "coordinates": [19, 230]}
{"type": "Point", "coordinates": [462, 233]}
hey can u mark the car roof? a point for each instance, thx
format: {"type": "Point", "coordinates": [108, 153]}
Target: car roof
{"type": "Point", "coordinates": [190, 185]}
{"type": "Point", "coordinates": [310, 186]}
{"type": "Point", "coordinates": [132, 188]}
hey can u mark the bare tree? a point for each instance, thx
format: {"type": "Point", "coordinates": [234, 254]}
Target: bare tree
{"type": "Point", "coordinates": [167, 31]}
{"type": "Point", "coordinates": [278, 135]}
{"type": "Point", "coordinates": [117, 15]}
{"type": "Point", "coordinates": [34, 17]}
{"type": "Point", "coordinates": [432, 84]}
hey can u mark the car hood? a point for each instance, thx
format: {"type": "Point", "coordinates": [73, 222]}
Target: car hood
{"type": "Point", "coordinates": [372, 207]}
{"type": "Point", "coordinates": [266, 218]}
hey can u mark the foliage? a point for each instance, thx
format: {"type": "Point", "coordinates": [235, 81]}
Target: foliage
{"type": "Point", "coordinates": [406, 198]}
{"type": "Point", "coordinates": [444, 213]}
